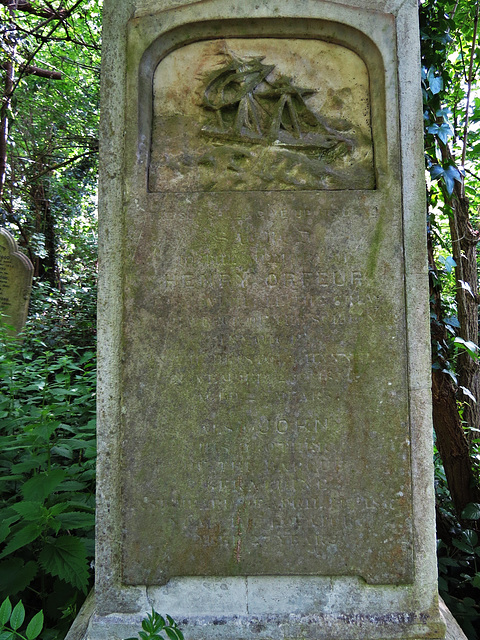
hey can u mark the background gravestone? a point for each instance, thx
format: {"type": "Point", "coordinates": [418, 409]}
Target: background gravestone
{"type": "Point", "coordinates": [16, 272]}
{"type": "Point", "coordinates": [264, 409]}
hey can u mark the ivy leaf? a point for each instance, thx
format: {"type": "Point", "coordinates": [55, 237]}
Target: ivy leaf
{"type": "Point", "coordinates": [443, 113]}
{"type": "Point", "coordinates": [435, 83]}
{"type": "Point", "coordinates": [467, 345]}
{"type": "Point", "coordinates": [449, 264]}
{"type": "Point", "coordinates": [468, 393]}
{"type": "Point", "coordinates": [450, 373]}
{"type": "Point", "coordinates": [444, 132]}
{"type": "Point", "coordinates": [436, 170]}
{"type": "Point", "coordinates": [452, 321]}
{"type": "Point", "coordinates": [35, 626]}
{"type": "Point", "coordinates": [471, 511]}
{"type": "Point", "coordinates": [66, 558]}
{"type": "Point", "coordinates": [450, 174]}
{"type": "Point", "coordinates": [18, 616]}
{"type": "Point", "coordinates": [467, 287]}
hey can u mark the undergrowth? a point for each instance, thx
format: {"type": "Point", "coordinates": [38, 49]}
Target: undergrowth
{"type": "Point", "coordinates": [458, 552]}
{"type": "Point", "coordinates": [47, 476]}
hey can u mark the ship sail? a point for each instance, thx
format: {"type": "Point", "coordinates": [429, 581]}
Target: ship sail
{"type": "Point", "coordinates": [253, 105]}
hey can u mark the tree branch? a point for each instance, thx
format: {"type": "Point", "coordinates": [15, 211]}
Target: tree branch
{"type": "Point", "coordinates": [24, 5]}
{"type": "Point", "coordinates": [471, 173]}
{"type": "Point", "coordinates": [63, 164]}
{"type": "Point", "coordinates": [36, 71]}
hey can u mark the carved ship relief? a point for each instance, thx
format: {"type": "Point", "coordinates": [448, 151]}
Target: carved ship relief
{"type": "Point", "coordinates": [250, 107]}
{"type": "Point", "coordinates": [244, 124]}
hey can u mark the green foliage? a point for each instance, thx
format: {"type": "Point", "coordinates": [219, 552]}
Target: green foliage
{"type": "Point", "coordinates": [50, 189]}
{"type": "Point", "coordinates": [12, 619]}
{"type": "Point", "coordinates": [450, 54]}
{"type": "Point", "coordinates": [459, 572]}
{"type": "Point", "coordinates": [47, 458]}
{"type": "Point", "coordinates": [459, 557]}
{"type": "Point", "coordinates": [154, 625]}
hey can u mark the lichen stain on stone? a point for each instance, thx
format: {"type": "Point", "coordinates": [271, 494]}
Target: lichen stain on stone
{"type": "Point", "coordinates": [247, 354]}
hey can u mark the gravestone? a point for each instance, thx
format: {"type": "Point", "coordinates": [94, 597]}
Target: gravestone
{"type": "Point", "coordinates": [16, 272]}
{"type": "Point", "coordinates": [264, 406]}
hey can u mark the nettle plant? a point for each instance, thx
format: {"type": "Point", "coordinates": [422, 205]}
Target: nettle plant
{"type": "Point", "coordinates": [47, 477]}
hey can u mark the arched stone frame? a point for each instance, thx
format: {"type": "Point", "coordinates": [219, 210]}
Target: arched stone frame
{"type": "Point", "coordinates": [327, 31]}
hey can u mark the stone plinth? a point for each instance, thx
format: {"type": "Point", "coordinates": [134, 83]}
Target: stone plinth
{"type": "Point", "coordinates": [264, 407]}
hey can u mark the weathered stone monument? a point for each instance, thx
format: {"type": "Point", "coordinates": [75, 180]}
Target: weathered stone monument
{"type": "Point", "coordinates": [16, 272]}
{"type": "Point", "coordinates": [264, 407]}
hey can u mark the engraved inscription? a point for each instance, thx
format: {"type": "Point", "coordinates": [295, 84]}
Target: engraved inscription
{"type": "Point", "coordinates": [261, 114]}
{"type": "Point", "coordinates": [266, 418]}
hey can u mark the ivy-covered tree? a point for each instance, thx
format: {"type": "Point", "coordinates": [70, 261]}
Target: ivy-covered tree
{"type": "Point", "coordinates": [451, 61]}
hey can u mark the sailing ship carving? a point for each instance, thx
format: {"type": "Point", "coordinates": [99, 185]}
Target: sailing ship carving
{"type": "Point", "coordinates": [251, 104]}
{"type": "Point", "coordinates": [246, 123]}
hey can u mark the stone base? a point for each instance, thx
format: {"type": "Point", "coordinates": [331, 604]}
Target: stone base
{"type": "Point", "coordinates": [454, 631]}
{"type": "Point", "coordinates": [332, 610]}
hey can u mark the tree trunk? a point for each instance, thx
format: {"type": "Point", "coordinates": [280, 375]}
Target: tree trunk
{"type": "Point", "coordinates": [464, 248]}
{"type": "Point", "coordinates": [46, 268]}
{"type": "Point", "coordinates": [10, 49]}
{"type": "Point", "coordinates": [451, 441]}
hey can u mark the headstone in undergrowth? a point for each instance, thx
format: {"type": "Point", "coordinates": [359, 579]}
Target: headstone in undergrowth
{"type": "Point", "coordinates": [264, 405]}
{"type": "Point", "coordinates": [16, 273]}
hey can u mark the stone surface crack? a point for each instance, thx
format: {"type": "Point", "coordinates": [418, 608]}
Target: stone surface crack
{"type": "Point", "coordinates": [150, 600]}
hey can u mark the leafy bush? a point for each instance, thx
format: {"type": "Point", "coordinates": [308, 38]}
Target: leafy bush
{"type": "Point", "coordinates": [67, 317]}
{"type": "Point", "coordinates": [154, 625]}
{"type": "Point", "coordinates": [458, 550]}
{"type": "Point", "coordinates": [47, 461]}
{"type": "Point", "coordinates": [12, 619]}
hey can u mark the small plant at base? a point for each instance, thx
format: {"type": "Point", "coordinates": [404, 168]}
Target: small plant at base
{"type": "Point", "coordinates": [14, 618]}
{"type": "Point", "coordinates": [154, 624]}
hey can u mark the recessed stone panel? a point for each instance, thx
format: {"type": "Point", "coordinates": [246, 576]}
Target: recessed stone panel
{"type": "Point", "coordinates": [266, 416]}
{"type": "Point", "coordinates": [261, 114]}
